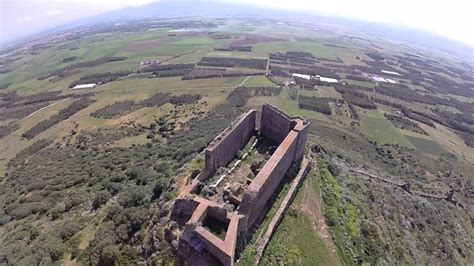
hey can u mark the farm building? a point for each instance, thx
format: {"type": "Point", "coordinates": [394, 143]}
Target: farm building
{"type": "Point", "coordinates": [391, 72]}
{"type": "Point", "coordinates": [327, 80]}
{"type": "Point", "coordinates": [308, 77]}
{"type": "Point", "coordinates": [85, 86]}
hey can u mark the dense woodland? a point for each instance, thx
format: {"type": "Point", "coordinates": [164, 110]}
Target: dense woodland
{"type": "Point", "coordinates": [355, 97]}
{"type": "Point", "coordinates": [318, 104]}
{"type": "Point", "coordinates": [8, 129]}
{"type": "Point", "coordinates": [404, 123]}
{"type": "Point", "coordinates": [234, 62]}
{"type": "Point", "coordinates": [204, 73]}
{"type": "Point", "coordinates": [136, 178]}
{"type": "Point", "coordinates": [99, 78]}
{"type": "Point", "coordinates": [243, 48]}
{"type": "Point", "coordinates": [14, 106]}
{"type": "Point", "coordinates": [240, 95]}
{"type": "Point", "coordinates": [4, 86]}
{"type": "Point", "coordinates": [69, 59]}
{"type": "Point", "coordinates": [166, 67]}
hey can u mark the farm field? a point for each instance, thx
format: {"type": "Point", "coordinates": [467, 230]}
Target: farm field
{"type": "Point", "coordinates": [425, 145]}
{"type": "Point", "coordinates": [258, 81]}
{"type": "Point", "coordinates": [376, 127]}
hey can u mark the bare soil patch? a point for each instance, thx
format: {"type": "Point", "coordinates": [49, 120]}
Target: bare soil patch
{"type": "Point", "coordinates": [311, 204]}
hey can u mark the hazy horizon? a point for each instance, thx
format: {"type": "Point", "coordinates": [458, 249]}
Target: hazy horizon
{"type": "Point", "coordinates": [21, 18]}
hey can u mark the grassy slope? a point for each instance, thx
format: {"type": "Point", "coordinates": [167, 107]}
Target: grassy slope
{"type": "Point", "coordinates": [297, 239]}
{"type": "Point", "coordinates": [376, 127]}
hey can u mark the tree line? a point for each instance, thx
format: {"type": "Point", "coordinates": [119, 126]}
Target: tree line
{"type": "Point", "coordinates": [318, 104]}
{"type": "Point", "coordinates": [100, 78]}
{"type": "Point", "coordinates": [124, 107]}
{"type": "Point", "coordinates": [234, 62]}
{"type": "Point", "coordinates": [240, 95]}
{"type": "Point", "coordinates": [63, 114]}
{"type": "Point", "coordinates": [68, 70]}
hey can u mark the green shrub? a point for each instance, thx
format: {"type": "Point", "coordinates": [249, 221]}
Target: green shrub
{"type": "Point", "coordinates": [134, 196]}
{"type": "Point", "coordinates": [101, 198]}
{"type": "Point", "coordinates": [69, 229]}
{"type": "Point", "coordinates": [55, 247]}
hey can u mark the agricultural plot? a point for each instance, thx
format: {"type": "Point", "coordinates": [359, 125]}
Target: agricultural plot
{"type": "Point", "coordinates": [376, 127]}
{"type": "Point", "coordinates": [258, 81]}
{"type": "Point", "coordinates": [426, 145]}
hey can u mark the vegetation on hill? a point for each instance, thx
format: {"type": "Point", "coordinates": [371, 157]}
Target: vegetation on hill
{"type": "Point", "coordinates": [69, 70]}
{"type": "Point", "coordinates": [124, 107]}
{"type": "Point", "coordinates": [318, 104]}
{"type": "Point", "coordinates": [240, 95]}
{"type": "Point", "coordinates": [63, 114]}
{"type": "Point", "coordinates": [98, 191]}
{"type": "Point", "coordinates": [118, 187]}
{"type": "Point", "coordinates": [404, 123]}
{"type": "Point", "coordinates": [234, 62]}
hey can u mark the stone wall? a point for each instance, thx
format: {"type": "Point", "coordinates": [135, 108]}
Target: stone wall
{"type": "Point", "coordinates": [223, 149]}
{"type": "Point", "coordinates": [291, 134]}
{"type": "Point", "coordinates": [268, 179]}
{"type": "Point", "coordinates": [274, 124]}
{"type": "Point", "coordinates": [302, 127]}
{"type": "Point", "coordinates": [263, 242]}
{"type": "Point", "coordinates": [182, 210]}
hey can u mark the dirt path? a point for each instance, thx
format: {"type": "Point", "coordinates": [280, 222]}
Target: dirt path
{"type": "Point", "coordinates": [311, 204]}
{"type": "Point", "coordinates": [242, 83]}
{"type": "Point", "coordinates": [41, 109]}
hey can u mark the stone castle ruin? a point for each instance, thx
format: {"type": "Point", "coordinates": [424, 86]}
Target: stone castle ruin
{"type": "Point", "coordinates": [218, 211]}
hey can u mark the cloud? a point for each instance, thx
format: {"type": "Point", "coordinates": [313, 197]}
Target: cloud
{"type": "Point", "coordinates": [21, 20]}
{"type": "Point", "coordinates": [53, 12]}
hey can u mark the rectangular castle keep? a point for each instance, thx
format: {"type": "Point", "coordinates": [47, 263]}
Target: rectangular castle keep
{"type": "Point", "coordinates": [197, 244]}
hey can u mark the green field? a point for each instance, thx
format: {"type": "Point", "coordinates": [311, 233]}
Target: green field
{"type": "Point", "coordinates": [426, 145]}
{"type": "Point", "coordinates": [296, 242]}
{"type": "Point", "coordinates": [258, 81]}
{"type": "Point", "coordinates": [376, 127]}
{"type": "Point", "coordinates": [317, 49]}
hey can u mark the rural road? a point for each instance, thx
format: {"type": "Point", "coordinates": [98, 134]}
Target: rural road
{"type": "Point", "coordinates": [41, 109]}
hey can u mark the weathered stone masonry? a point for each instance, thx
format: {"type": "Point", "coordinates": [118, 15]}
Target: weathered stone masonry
{"type": "Point", "coordinates": [197, 245]}
{"type": "Point", "coordinates": [275, 124]}
{"type": "Point", "coordinates": [222, 150]}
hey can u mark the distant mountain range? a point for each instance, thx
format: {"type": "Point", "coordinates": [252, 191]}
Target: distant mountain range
{"type": "Point", "coordinates": [187, 8]}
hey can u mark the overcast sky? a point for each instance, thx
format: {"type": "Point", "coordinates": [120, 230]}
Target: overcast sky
{"type": "Point", "coordinates": [453, 19]}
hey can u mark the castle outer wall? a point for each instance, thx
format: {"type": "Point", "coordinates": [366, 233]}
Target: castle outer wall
{"type": "Point", "coordinates": [291, 134]}
{"type": "Point", "coordinates": [275, 124]}
{"type": "Point", "coordinates": [223, 149]}
{"type": "Point", "coordinates": [270, 176]}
